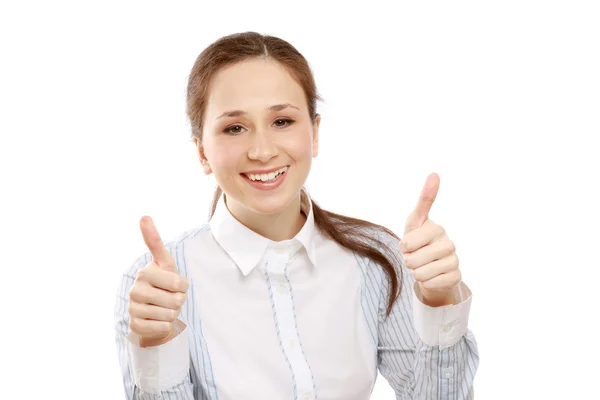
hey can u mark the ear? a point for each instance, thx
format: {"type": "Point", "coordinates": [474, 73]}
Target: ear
{"type": "Point", "coordinates": [202, 157]}
{"type": "Point", "coordinates": [315, 144]}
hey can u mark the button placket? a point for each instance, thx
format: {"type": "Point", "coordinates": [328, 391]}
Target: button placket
{"type": "Point", "coordinates": [283, 305]}
{"type": "Point", "coordinates": [281, 288]}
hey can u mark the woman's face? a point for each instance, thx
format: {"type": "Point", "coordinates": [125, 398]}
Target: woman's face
{"type": "Point", "coordinates": [258, 137]}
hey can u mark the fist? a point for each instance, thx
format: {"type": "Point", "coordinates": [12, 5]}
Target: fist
{"type": "Point", "coordinates": [428, 252]}
{"type": "Point", "coordinates": [156, 296]}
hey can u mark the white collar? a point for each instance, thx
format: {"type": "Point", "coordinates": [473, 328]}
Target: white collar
{"type": "Point", "coordinates": [247, 247]}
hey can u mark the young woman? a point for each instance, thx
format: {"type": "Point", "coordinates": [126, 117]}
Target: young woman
{"type": "Point", "coordinates": [276, 298]}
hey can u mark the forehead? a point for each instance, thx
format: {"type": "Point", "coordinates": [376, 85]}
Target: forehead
{"type": "Point", "coordinates": [253, 84]}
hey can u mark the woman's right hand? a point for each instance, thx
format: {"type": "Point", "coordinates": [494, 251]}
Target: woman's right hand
{"type": "Point", "coordinates": [156, 297]}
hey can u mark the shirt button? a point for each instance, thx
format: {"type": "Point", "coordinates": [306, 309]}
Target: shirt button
{"type": "Point", "coordinates": [448, 373]}
{"type": "Point", "coordinates": [281, 288]}
{"type": "Point", "coordinates": [306, 396]}
{"type": "Point", "coordinates": [151, 372]}
{"type": "Point", "coordinates": [292, 344]}
{"type": "Point", "coordinates": [447, 328]}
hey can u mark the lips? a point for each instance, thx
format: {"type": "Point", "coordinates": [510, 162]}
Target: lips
{"type": "Point", "coordinates": [275, 181]}
{"type": "Point", "coordinates": [265, 175]}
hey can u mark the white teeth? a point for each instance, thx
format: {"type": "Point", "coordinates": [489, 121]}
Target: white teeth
{"type": "Point", "coordinates": [267, 177]}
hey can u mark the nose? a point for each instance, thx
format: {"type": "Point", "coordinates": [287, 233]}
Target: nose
{"type": "Point", "coordinates": [263, 147]}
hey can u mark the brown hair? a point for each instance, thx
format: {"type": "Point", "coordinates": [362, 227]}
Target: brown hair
{"type": "Point", "coordinates": [353, 234]}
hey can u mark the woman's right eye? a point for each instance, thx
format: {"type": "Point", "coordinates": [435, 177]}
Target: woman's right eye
{"type": "Point", "coordinates": [233, 130]}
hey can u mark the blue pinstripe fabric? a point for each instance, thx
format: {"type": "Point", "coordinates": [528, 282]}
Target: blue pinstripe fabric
{"type": "Point", "coordinates": [413, 369]}
{"type": "Point", "coordinates": [199, 383]}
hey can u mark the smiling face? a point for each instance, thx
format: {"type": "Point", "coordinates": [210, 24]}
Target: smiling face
{"type": "Point", "coordinates": [258, 137]}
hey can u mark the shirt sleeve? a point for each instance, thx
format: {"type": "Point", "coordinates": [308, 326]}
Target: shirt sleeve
{"type": "Point", "coordinates": [442, 326]}
{"type": "Point", "coordinates": [153, 372]}
{"type": "Point", "coordinates": [157, 369]}
{"type": "Point", "coordinates": [426, 352]}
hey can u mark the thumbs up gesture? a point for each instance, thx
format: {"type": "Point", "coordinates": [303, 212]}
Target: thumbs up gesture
{"type": "Point", "coordinates": [156, 296]}
{"type": "Point", "coordinates": [428, 252]}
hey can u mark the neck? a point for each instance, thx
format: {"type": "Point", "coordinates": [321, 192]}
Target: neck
{"type": "Point", "coordinates": [277, 227]}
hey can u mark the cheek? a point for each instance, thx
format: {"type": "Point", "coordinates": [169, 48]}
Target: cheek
{"type": "Point", "coordinates": [222, 156]}
{"type": "Point", "coordinates": [299, 145]}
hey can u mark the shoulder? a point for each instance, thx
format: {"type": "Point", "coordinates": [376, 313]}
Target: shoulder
{"type": "Point", "coordinates": [381, 240]}
{"type": "Point", "coordinates": [384, 240]}
{"type": "Point", "coordinates": [197, 233]}
{"type": "Point", "coordinates": [387, 243]}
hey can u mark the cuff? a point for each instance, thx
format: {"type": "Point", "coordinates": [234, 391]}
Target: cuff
{"type": "Point", "coordinates": [442, 326]}
{"type": "Point", "coordinates": [158, 368]}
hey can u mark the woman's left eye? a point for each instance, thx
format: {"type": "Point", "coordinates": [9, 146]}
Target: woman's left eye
{"type": "Point", "coordinates": [286, 122]}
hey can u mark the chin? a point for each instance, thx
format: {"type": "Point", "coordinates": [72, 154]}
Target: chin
{"type": "Point", "coordinates": [270, 203]}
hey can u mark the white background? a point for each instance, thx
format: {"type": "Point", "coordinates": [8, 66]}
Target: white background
{"type": "Point", "coordinates": [501, 99]}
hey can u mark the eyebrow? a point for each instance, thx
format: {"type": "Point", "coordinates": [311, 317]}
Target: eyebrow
{"type": "Point", "coordinates": [237, 113]}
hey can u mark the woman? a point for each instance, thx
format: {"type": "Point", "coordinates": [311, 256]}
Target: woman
{"type": "Point", "coordinates": [274, 297]}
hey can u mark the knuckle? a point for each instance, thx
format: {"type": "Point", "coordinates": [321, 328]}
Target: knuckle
{"type": "Point", "coordinates": [148, 271]}
{"type": "Point", "coordinates": [143, 273]}
{"type": "Point", "coordinates": [135, 325]}
{"type": "Point", "coordinates": [133, 292]}
{"type": "Point", "coordinates": [452, 246]}
{"type": "Point", "coordinates": [175, 300]}
{"type": "Point", "coordinates": [173, 314]}
{"type": "Point", "coordinates": [445, 248]}
{"type": "Point", "coordinates": [136, 294]}
{"type": "Point", "coordinates": [415, 275]}
{"type": "Point", "coordinates": [440, 230]}
{"type": "Point", "coordinates": [163, 328]}
{"type": "Point", "coordinates": [185, 284]}
{"type": "Point", "coordinates": [180, 299]}
{"type": "Point", "coordinates": [404, 245]}
{"type": "Point", "coordinates": [180, 283]}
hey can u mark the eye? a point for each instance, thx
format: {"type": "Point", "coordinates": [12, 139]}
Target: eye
{"type": "Point", "coordinates": [280, 123]}
{"type": "Point", "coordinates": [233, 130]}
{"type": "Point", "coordinates": [283, 122]}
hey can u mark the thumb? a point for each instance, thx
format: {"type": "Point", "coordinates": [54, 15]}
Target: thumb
{"type": "Point", "coordinates": [160, 254]}
{"type": "Point", "coordinates": [420, 214]}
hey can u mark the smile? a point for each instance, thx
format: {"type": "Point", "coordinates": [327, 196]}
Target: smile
{"type": "Point", "coordinates": [267, 181]}
{"type": "Point", "coordinates": [270, 177]}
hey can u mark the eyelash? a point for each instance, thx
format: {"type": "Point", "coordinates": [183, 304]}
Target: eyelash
{"type": "Point", "coordinates": [287, 120]}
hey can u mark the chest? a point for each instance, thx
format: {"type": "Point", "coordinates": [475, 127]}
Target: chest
{"type": "Point", "coordinates": [286, 330]}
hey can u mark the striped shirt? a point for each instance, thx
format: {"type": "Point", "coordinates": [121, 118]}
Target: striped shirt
{"type": "Point", "coordinates": [299, 319]}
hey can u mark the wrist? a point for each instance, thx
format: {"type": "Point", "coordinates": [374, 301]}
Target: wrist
{"type": "Point", "coordinates": [152, 342]}
{"type": "Point", "coordinates": [435, 298]}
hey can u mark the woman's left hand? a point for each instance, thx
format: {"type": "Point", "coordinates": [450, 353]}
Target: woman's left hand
{"type": "Point", "coordinates": [428, 252]}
